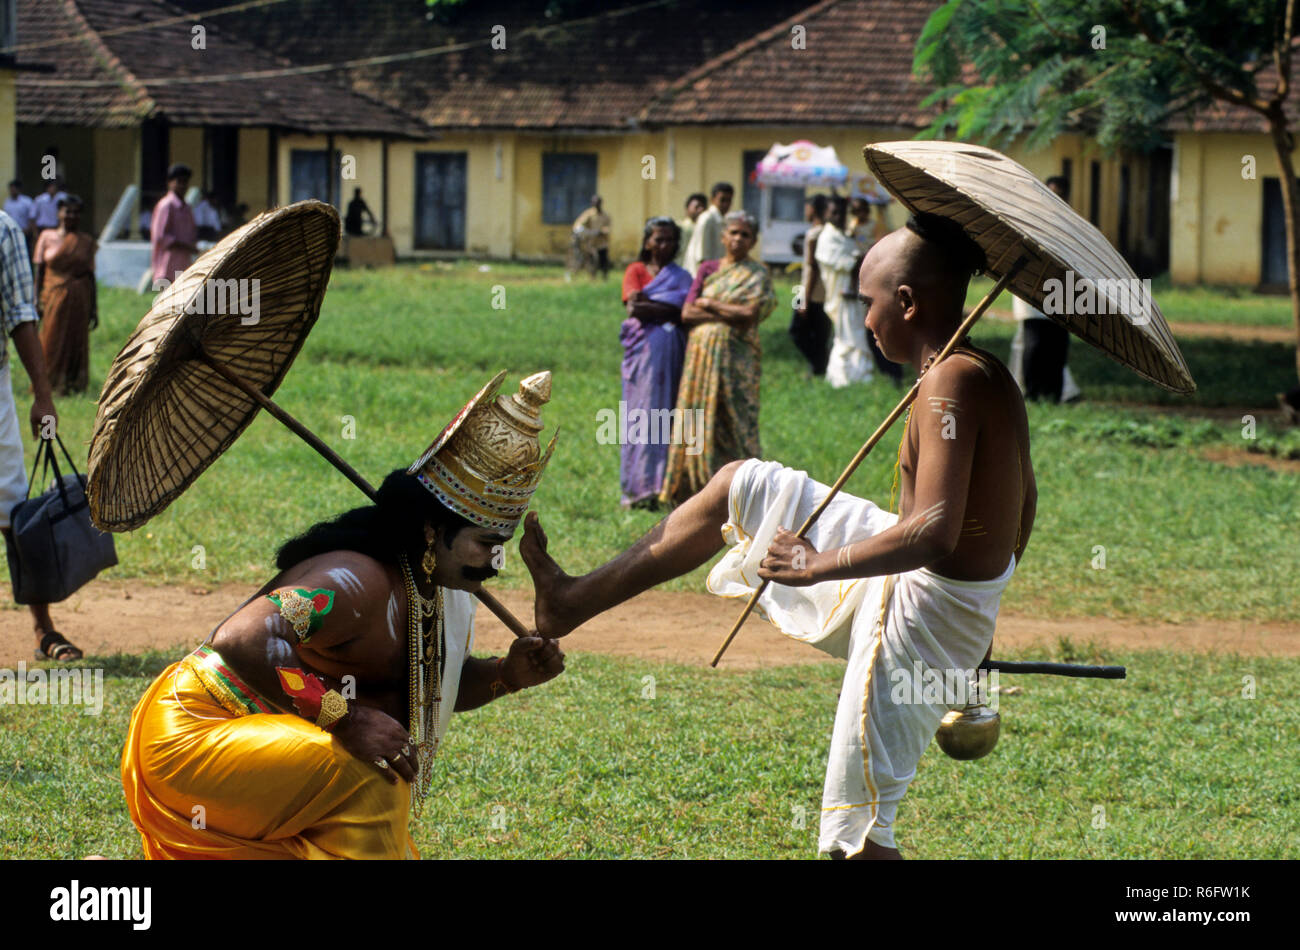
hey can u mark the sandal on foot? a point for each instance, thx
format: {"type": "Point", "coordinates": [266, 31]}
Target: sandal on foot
{"type": "Point", "coordinates": [54, 646]}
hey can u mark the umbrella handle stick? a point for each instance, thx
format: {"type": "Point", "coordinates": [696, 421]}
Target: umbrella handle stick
{"type": "Point", "coordinates": [876, 436]}
{"type": "Point", "coordinates": [512, 623]}
{"type": "Point", "coordinates": [291, 423]}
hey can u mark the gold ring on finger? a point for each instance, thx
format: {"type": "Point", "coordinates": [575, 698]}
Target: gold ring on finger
{"type": "Point", "coordinates": [382, 763]}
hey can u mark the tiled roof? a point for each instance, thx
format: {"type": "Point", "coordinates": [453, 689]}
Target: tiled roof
{"type": "Point", "coordinates": [84, 58]}
{"type": "Point", "coordinates": [104, 77]}
{"type": "Point", "coordinates": [855, 69]}
{"type": "Point", "coordinates": [594, 71]}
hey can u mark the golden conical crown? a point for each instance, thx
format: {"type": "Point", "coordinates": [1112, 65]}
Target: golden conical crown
{"type": "Point", "coordinates": [486, 464]}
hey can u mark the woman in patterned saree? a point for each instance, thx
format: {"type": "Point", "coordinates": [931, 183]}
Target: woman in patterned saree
{"type": "Point", "coordinates": [718, 397]}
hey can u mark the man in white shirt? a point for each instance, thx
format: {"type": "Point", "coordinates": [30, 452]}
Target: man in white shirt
{"type": "Point", "coordinates": [695, 206]}
{"type": "Point", "coordinates": [207, 219]}
{"type": "Point", "coordinates": [706, 241]}
{"type": "Point", "coordinates": [45, 209]}
{"type": "Point", "coordinates": [19, 207]}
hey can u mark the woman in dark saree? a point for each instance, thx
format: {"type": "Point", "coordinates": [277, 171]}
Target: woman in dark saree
{"type": "Point", "coordinates": [64, 278]}
{"type": "Point", "coordinates": [654, 289]}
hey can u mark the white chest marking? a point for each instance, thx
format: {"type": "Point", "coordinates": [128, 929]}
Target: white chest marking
{"type": "Point", "coordinates": [392, 616]}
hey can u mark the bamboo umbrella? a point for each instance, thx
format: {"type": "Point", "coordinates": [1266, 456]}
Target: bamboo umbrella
{"type": "Point", "coordinates": [1031, 239]}
{"type": "Point", "coordinates": [210, 352]}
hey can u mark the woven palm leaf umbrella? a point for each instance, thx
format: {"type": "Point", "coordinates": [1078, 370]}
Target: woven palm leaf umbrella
{"type": "Point", "coordinates": [1030, 238]}
{"type": "Point", "coordinates": [1011, 214]}
{"type": "Point", "coordinates": [210, 352]}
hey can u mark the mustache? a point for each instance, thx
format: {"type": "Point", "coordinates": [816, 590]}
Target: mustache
{"type": "Point", "coordinates": [478, 573]}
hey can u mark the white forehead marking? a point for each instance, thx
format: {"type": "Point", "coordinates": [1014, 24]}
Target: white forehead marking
{"type": "Point", "coordinates": [392, 616]}
{"type": "Point", "coordinates": [350, 583]}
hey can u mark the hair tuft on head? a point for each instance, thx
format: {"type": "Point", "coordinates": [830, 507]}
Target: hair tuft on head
{"type": "Point", "coordinates": [948, 236]}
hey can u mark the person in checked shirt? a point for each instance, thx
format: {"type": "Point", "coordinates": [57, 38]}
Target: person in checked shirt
{"type": "Point", "coordinates": [18, 318]}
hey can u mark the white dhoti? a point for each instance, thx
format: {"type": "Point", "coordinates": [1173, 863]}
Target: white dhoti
{"type": "Point", "coordinates": [850, 359]}
{"type": "Point", "coordinates": [884, 626]}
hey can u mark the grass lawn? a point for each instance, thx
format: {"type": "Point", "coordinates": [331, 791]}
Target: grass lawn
{"type": "Point", "coordinates": [397, 352]}
{"type": "Point", "coordinates": [1172, 763]}
{"type": "Point", "coordinates": [1239, 306]}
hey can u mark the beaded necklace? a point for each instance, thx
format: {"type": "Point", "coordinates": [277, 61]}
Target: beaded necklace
{"type": "Point", "coordinates": [426, 660]}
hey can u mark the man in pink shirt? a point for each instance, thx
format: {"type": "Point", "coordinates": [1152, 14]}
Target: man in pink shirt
{"type": "Point", "coordinates": [173, 232]}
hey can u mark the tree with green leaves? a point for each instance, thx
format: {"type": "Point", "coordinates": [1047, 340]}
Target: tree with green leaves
{"type": "Point", "coordinates": [1116, 70]}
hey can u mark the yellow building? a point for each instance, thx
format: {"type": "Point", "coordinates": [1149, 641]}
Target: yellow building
{"type": "Point", "coordinates": [115, 93]}
{"type": "Point", "coordinates": [516, 162]}
{"type": "Point", "coordinates": [494, 150]}
{"type": "Point", "coordinates": [1227, 224]}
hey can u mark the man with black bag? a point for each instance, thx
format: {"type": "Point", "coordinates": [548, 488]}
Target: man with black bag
{"type": "Point", "coordinates": [18, 318]}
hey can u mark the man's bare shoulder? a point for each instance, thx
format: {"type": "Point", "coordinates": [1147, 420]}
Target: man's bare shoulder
{"type": "Point", "coordinates": [351, 593]}
{"type": "Point", "coordinates": [972, 385]}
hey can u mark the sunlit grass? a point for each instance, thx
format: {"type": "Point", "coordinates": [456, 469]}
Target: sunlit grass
{"type": "Point", "coordinates": [624, 758]}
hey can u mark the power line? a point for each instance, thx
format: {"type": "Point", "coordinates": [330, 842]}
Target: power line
{"type": "Point", "coordinates": [345, 64]}
{"type": "Point", "coordinates": [151, 25]}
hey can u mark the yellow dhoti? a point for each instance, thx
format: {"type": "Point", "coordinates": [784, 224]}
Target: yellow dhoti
{"type": "Point", "coordinates": [208, 775]}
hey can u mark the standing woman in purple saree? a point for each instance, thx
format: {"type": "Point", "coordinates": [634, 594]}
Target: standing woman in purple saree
{"type": "Point", "coordinates": [654, 289]}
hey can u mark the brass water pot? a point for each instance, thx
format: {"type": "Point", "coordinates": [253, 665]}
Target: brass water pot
{"type": "Point", "coordinates": [969, 733]}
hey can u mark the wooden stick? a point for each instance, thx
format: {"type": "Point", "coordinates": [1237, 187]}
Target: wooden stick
{"type": "Point", "coordinates": [1057, 669]}
{"type": "Point", "coordinates": [876, 436]}
{"type": "Point", "coordinates": [293, 424]}
{"type": "Point", "coordinates": [513, 624]}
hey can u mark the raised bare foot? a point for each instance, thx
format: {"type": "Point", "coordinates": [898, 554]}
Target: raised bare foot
{"type": "Point", "coordinates": [552, 616]}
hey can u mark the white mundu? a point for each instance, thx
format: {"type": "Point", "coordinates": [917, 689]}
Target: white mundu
{"type": "Point", "coordinates": [882, 625]}
{"type": "Point", "coordinates": [850, 360]}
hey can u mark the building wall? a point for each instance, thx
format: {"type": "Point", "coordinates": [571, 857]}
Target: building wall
{"type": "Point", "coordinates": [76, 162]}
{"type": "Point", "coordinates": [1081, 153]}
{"type": "Point", "coordinates": [533, 238]}
{"type": "Point", "coordinates": [117, 164]}
{"type": "Point", "coordinates": [1216, 215]}
{"type": "Point", "coordinates": [8, 126]}
{"type": "Point", "coordinates": [504, 179]}
{"type": "Point", "coordinates": [686, 159]}
{"type": "Point", "coordinates": [254, 171]}
{"type": "Point", "coordinates": [185, 144]}
{"type": "Point", "coordinates": [490, 208]}
{"type": "Point", "coordinates": [1147, 241]}
{"type": "Point", "coordinates": [361, 167]}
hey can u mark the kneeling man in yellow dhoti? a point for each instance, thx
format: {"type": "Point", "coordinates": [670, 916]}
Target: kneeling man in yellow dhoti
{"type": "Point", "coordinates": [886, 591]}
{"type": "Point", "coordinates": [307, 726]}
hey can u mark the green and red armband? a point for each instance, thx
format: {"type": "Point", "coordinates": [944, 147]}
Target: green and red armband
{"type": "Point", "coordinates": [303, 609]}
{"type": "Point", "coordinates": [325, 707]}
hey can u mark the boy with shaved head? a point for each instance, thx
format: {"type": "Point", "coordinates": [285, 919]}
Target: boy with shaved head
{"type": "Point", "coordinates": [902, 596]}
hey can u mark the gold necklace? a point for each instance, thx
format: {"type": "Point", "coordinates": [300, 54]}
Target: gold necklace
{"type": "Point", "coordinates": [426, 659]}
{"type": "Point", "coordinates": [428, 605]}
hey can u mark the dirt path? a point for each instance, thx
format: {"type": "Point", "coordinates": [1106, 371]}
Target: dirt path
{"type": "Point", "coordinates": [130, 616]}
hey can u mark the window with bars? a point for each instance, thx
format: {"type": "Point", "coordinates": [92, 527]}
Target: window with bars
{"type": "Point", "coordinates": [568, 182]}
